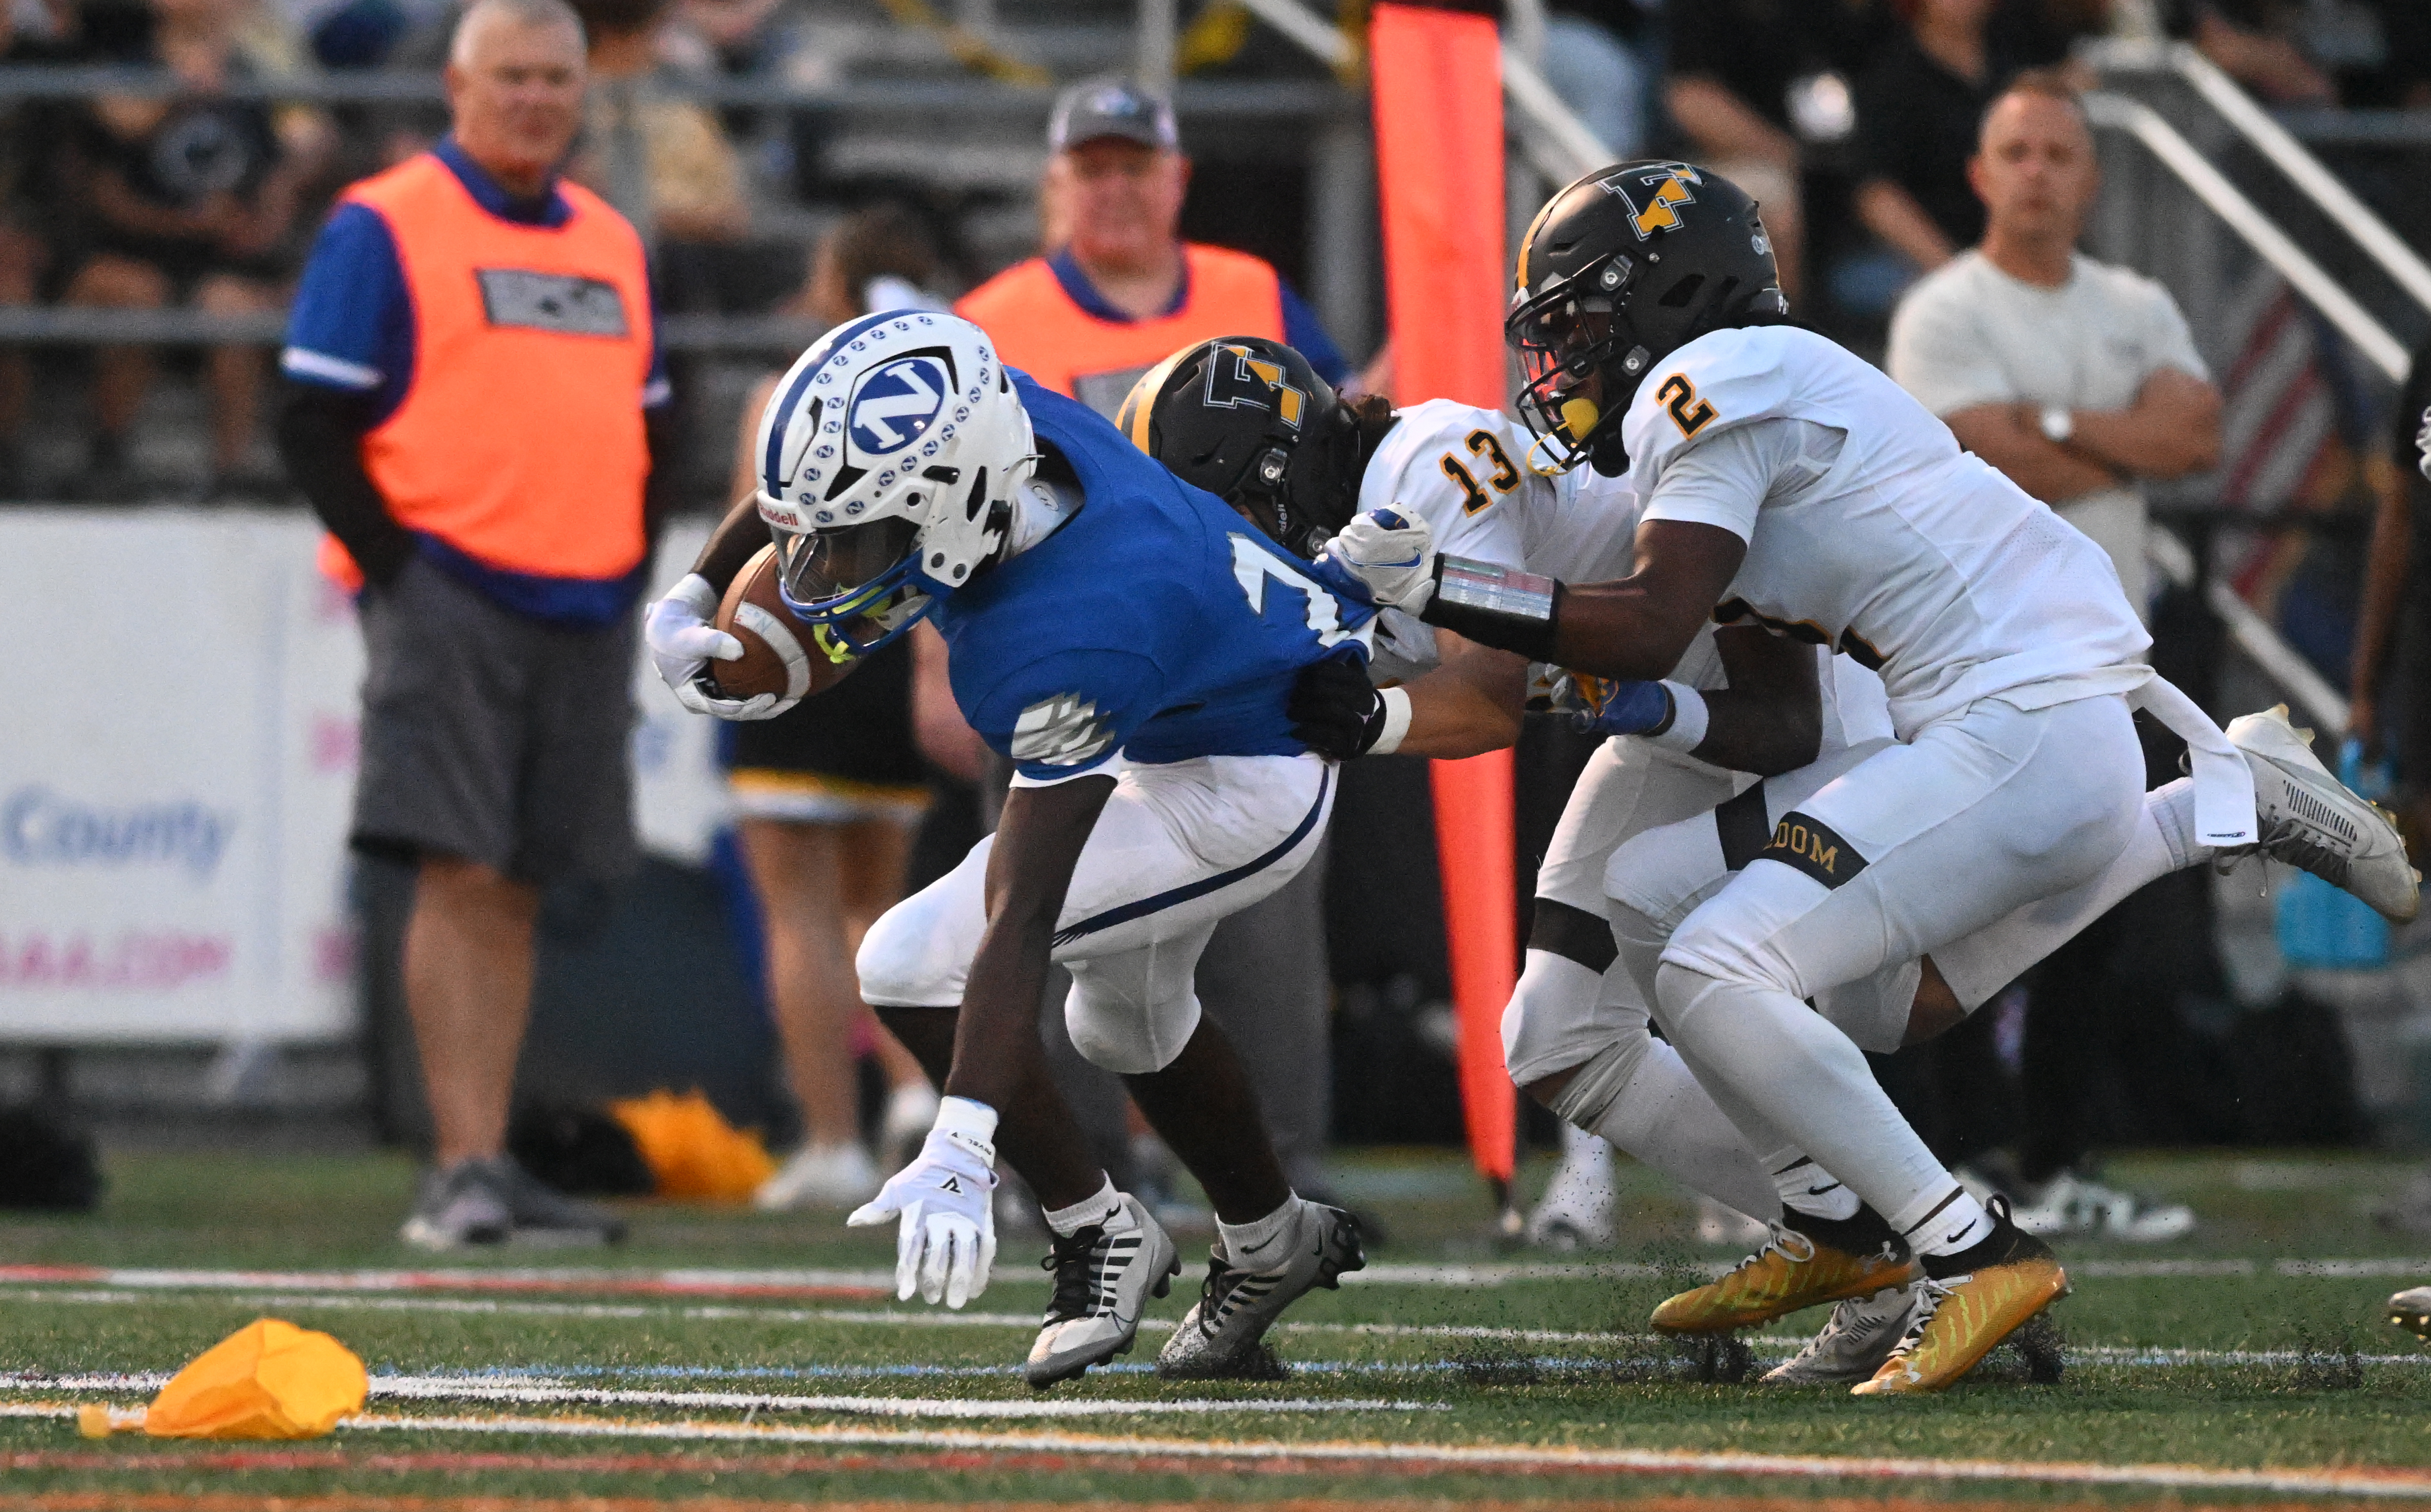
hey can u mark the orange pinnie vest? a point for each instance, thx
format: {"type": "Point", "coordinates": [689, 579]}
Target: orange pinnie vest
{"type": "Point", "coordinates": [1038, 327]}
{"type": "Point", "coordinates": [519, 441]}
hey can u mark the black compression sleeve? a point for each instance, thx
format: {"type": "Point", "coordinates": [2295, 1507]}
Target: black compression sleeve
{"type": "Point", "coordinates": [1495, 606]}
{"type": "Point", "coordinates": [660, 494]}
{"type": "Point", "coordinates": [320, 439]}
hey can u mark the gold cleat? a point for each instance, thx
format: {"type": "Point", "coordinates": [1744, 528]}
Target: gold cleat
{"type": "Point", "coordinates": [1791, 1273]}
{"type": "Point", "coordinates": [1959, 1318]}
{"type": "Point", "coordinates": [2410, 1310]}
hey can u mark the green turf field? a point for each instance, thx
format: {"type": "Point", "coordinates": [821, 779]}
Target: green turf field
{"type": "Point", "coordinates": [724, 1358]}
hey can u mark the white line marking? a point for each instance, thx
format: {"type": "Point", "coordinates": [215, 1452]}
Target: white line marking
{"type": "Point", "coordinates": [2399, 1485]}
{"type": "Point", "coordinates": [448, 1388]}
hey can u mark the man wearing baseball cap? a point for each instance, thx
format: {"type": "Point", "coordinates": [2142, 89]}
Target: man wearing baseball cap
{"type": "Point", "coordinates": [1118, 290]}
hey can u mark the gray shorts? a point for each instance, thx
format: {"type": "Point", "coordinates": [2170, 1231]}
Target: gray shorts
{"type": "Point", "coordinates": [494, 737]}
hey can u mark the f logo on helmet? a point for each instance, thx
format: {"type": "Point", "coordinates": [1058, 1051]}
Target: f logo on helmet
{"type": "Point", "coordinates": [1252, 381]}
{"type": "Point", "coordinates": [1658, 211]}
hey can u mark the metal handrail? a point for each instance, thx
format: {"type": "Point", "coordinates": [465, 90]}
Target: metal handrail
{"type": "Point", "coordinates": [2255, 229]}
{"type": "Point", "coordinates": [2276, 144]}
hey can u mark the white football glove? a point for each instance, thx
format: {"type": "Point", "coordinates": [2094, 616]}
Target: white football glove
{"type": "Point", "coordinates": [2422, 446]}
{"type": "Point", "coordinates": [1391, 555]}
{"type": "Point", "coordinates": [682, 642]}
{"type": "Point", "coordinates": [945, 1201]}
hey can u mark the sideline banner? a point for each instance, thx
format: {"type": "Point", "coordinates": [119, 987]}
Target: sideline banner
{"type": "Point", "coordinates": [1439, 92]}
{"type": "Point", "coordinates": [178, 771]}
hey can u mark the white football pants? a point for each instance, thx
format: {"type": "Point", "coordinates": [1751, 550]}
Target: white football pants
{"type": "Point", "coordinates": [1177, 847]}
{"type": "Point", "coordinates": [1918, 845]}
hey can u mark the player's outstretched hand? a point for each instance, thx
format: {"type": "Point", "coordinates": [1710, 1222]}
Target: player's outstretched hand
{"type": "Point", "coordinates": [944, 1203]}
{"type": "Point", "coordinates": [1388, 558]}
{"type": "Point", "coordinates": [682, 642]}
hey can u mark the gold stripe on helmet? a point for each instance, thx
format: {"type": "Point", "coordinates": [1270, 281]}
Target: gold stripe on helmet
{"type": "Point", "coordinates": [1139, 410]}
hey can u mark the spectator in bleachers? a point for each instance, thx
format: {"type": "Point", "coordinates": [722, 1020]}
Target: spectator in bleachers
{"type": "Point", "coordinates": [29, 202]}
{"type": "Point", "coordinates": [1919, 108]}
{"type": "Point", "coordinates": [2076, 379]}
{"type": "Point", "coordinates": [475, 410]}
{"type": "Point", "coordinates": [1118, 291]}
{"type": "Point", "coordinates": [826, 796]}
{"type": "Point", "coordinates": [2256, 44]}
{"type": "Point", "coordinates": [186, 200]}
{"type": "Point", "coordinates": [1753, 82]}
{"type": "Point", "coordinates": [665, 162]}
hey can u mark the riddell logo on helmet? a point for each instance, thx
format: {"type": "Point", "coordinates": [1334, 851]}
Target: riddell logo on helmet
{"type": "Point", "coordinates": [1654, 196]}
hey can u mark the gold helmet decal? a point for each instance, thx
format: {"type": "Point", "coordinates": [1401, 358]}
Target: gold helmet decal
{"type": "Point", "coordinates": [1654, 196]}
{"type": "Point", "coordinates": [1237, 376]}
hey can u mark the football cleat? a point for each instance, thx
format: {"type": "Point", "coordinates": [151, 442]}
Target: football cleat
{"type": "Point", "coordinates": [2311, 822]}
{"type": "Point", "coordinates": [1223, 1335]}
{"type": "Point", "coordinates": [2411, 1310]}
{"type": "Point", "coordinates": [1789, 1273]}
{"type": "Point", "coordinates": [1576, 1212]}
{"type": "Point", "coordinates": [1959, 1318]}
{"type": "Point", "coordinates": [1860, 1335]}
{"type": "Point", "coordinates": [1104, 1275]}
{"type": "Point", "coordinates": [2068, 1203]}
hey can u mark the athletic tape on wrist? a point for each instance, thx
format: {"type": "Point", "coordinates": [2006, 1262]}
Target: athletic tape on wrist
{"type": "Point", "coordinates": [1396, 721]}
{"type": "Point", "coordinates": [971, 1120]}
{"type": "Point", "coordinates": [1686, 730]}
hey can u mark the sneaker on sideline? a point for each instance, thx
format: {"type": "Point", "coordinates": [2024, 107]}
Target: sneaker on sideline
{"type": "Point", "coordinates": [826, 1175]}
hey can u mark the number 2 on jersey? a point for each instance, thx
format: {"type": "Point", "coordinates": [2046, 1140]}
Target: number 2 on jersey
{"type": "Point", "coordinates": [1504, 478]}
{"type": "Point", "coordinates": [1678, 395]}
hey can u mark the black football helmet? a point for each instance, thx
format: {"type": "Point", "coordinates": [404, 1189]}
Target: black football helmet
{"type": "Point", "coordinates": [1249, 421]}
{"type": "Point", "coordinates": [1619, 270]}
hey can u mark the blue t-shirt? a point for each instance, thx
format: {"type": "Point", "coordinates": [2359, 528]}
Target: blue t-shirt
{"type": "Point", "coordinates": [1302, 331]}
{"type": "Point", "coordinates": [1156, 622]}
{"type": "Point", "coordinates": [352, 329]}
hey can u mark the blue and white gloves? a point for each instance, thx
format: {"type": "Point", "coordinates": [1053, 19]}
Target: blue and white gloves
{"type": "Point", "coordinates": [944, 1201]}
{"type": "Point", "coordinates": [683, 640]}
{"type": "Point", "coordinates": [1382, 557]}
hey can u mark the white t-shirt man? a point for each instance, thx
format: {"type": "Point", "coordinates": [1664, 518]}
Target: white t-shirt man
{"type": "Point", "coordinates": [1968, 334]}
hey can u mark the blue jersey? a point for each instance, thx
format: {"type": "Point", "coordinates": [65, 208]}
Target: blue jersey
{"type": "Point", "coordinates": [1155, 622]}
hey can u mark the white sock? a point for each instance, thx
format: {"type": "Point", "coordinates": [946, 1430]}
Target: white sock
{"type": "Point", "coordinates": [1944, 1224]}
{"type": "Point", "coordinates": [1259, 1245]}
{"type": "Point", "coordinates": [2001, 951]}
{"type": "Point", "coordinates": [1068, 1221]}
{"type": "Point", "coordinates": [1807, 1188]}
{"type": "Point", "coordinates": [1668, 1122]}
{"type": "Point", "coordinates": [1586, 1153]}
{"type": "Point", "coordinates": [1804, 1077]}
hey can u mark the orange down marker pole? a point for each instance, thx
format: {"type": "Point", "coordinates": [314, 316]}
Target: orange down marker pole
{"type": "Point", "coordinates": [1438, 91]}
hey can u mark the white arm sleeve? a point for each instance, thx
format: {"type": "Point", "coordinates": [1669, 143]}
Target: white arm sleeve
{"type": "Point", "coordinates": [1724, 479]}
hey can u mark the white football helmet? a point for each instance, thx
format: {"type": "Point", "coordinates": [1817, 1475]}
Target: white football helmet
{"type": "Point", "coordinates": [888, 457]}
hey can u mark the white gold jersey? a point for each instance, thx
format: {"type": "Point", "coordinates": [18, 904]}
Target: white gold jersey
{"type": "Point", "coordinates": [1464, 471]}
{"type": "Point", "coordinates": [1869, 530]}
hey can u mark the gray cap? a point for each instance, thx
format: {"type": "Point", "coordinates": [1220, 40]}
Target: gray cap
{"type": "Point", "coordinates": [1110, 106]}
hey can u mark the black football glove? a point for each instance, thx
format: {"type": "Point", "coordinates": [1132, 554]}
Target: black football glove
{"type": "Point", "coordinates": [1335, 712]}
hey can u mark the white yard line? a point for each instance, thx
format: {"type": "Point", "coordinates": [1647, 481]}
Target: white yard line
{"type": "Point", "coordinates": [2391, 1484]}
{"type": "Point", "coordinates": [536, 1394]}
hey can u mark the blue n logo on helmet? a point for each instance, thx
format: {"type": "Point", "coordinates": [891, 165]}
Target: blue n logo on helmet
{"type": "Point", "coordinates": [898, 403]}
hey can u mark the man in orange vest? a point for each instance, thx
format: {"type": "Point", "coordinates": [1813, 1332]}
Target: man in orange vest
{"type": "Point", "coordinates": [474, 380]}
{"type": "Point", "coordinates": [1119, 293]}
{"type": "Point", "coordinates": [1120, 290]}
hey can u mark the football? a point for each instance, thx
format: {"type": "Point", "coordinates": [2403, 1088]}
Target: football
{"type": "Point", "coordinates": [781, 654]}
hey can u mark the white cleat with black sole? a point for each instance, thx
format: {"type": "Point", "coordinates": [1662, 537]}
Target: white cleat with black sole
{"type": "Point", "coordinates": [1104, 1276]}
{"type": "Point", "coordinates": [2311, 822]}
{"type": "Point", "coordinates": [1223, 1336]}
{"type": "Point", "coordinates": [1860, 1335]}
